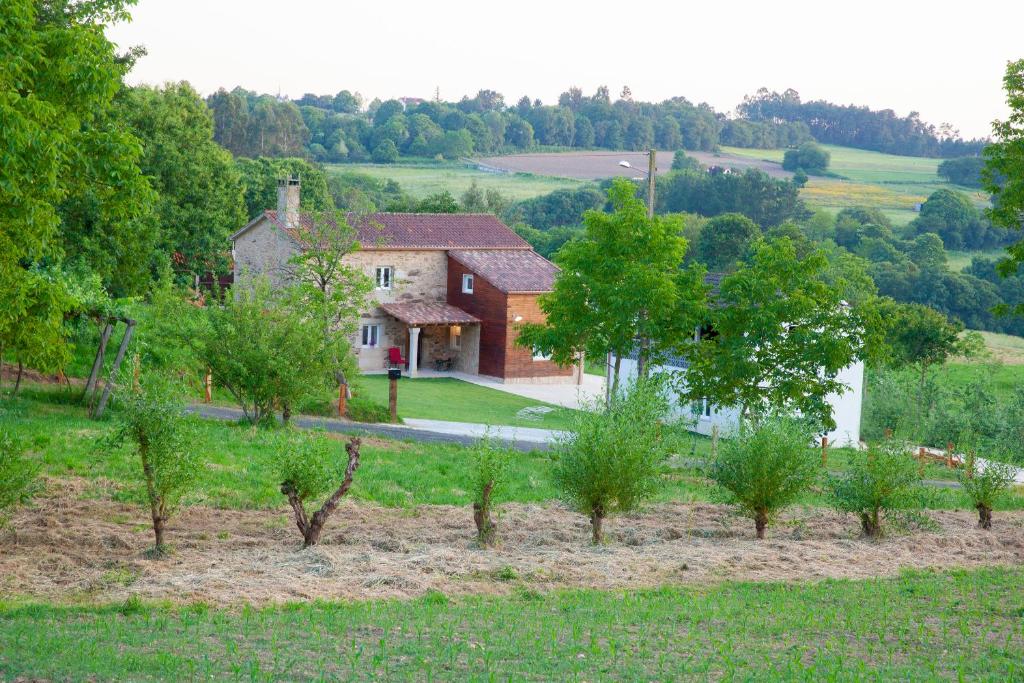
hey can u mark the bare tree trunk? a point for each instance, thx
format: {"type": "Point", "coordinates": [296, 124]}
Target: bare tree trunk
{"type": "Point", "coordinates": [760, 523]}
{"type": "Point", "coordinates": [286, 412]}
{"type": "Point", "coordinates": [486, 531]}
{"type": "Point", "coordinates": [596, 524]}
{"type": "Point", "coordinates": [869, 522]}
{"type": "Point", "coordinates": [97, 364]}
{"type": "Point", "coordinates": [312, 527]}
{"type": "Point", "coordinates": [101, 406]}
{"type": "Point", "coordinates": [155, 503]}
{"type": "Point", "coordinates": [17, 382]}
{"type": "Point", "coordinates": [615, 378]}
{"type": "Point", "coordinates": [984, 516]}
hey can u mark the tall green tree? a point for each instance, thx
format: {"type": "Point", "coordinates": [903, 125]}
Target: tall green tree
{"type": "Point", "coordinates": [779, 335]}
{"type": "Point", "coordinates": [725, 240]}
{"type": "Point", "coordinates": [621, 286]}
{"type": "Point", "coordinates": [259, 184]}
{"type": "Point", "coordinates": [58, 141]}
{"type": "Point", "coordinates": [1003, 175]}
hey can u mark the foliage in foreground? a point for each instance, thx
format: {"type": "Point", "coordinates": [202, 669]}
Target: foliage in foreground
{"type": "Point", "coordinates": [986, 486]}
{"type": "Point", "coordinates": [879, 483]}
{"type": "Point", "coordinates": [151, 421]}
{"type": "Point", "coordinates": [610, 461]}
{"type": "Point", "coordinates": [308, 468]}
{"type": "Point", "coordinates": [18, 476]}
{"type": "Point", "coordinates": [918, 626]}
{"type": "Point", "coordinates": [766, 467]}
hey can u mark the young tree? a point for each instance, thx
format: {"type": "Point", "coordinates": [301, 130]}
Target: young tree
{"type": "Point", "coordinates": [307, 468]}
{"type": "Point", "coordinates": [725, 240]}
{"type": "Point", "coordinates": [151, 421]}
{"type": "Point", "coordinates": [491, 464]}
{"type": "Point", "coordinates": [326, 289]}
{"type": "Point", "coordinates": [766, 467]}
{"type": "Point", "coordinates": [1003, 175]}
{"type": "Point", "coordinates": [878, 483]}
{"type": "Point", "coordinates": [610, 461]}
{"type": "Point", "coordinates": [779, 337]}
{"type": "Point", "coordinates": [263, 351]}
{"type": "Point", "coordinates": [621, 285]}
{"type": "Point", "coordinates": [19, 476]}
{"type": "Point", "coordinates": [986, 486]}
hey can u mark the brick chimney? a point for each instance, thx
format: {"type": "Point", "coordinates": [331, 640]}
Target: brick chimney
{"type": "Point", "coordinates": [288, 201]}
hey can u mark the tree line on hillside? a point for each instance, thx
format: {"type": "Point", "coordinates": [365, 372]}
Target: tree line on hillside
{"type": "Point", "coordinates": [858, 126]}
{"type": "Point", "coordinates": [337, 128]}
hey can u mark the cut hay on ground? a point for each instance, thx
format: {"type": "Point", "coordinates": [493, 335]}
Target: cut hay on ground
{"type": "Point", "coordinates": [68, 549]}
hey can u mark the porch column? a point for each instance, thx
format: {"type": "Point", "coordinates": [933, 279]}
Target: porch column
{"type": "Point", "coordinates": [414, 351]}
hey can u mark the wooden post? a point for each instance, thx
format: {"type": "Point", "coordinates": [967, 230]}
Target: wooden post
{"type": "Point", "coordinates": [714, 442]}
{"type": "Point", "coordinates": [101, 406]}
{"type": "Point", "coordinates": [393, 399]}
{"type": "Point", "coordinates": [949, 455]}
{"type": "Point", "coordinates": [342, 394]}
{"type": "Point", "coordinates": [208, 386]}
{"type": "Point", "coordinates": [824, 451]}
{"type": "Point", "coordinates": [97, 364]}
{"type": "Point", "coordinates": [888, 433]}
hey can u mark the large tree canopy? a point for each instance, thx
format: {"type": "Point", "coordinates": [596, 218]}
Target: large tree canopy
{"type": "Point", "coordinates": [1004, 164]}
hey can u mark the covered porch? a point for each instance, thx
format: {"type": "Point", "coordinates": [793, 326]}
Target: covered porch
{"type": "Point", "coordinates": [437, 336]}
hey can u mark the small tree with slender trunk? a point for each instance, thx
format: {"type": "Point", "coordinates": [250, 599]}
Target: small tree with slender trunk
{"type": "Point", "coordinates": [151, 421]}
{"type": "Point", "coordinates": [307, 468]}
{"type": "Point", "coordinates": [986, 485]}
{"type": "Point", "coordinates": [19, 476]}
{"type": "Point", "coordinates": [611, 460]}
{"type": "Point", "coordinates": [490, 470]}
{"type": "Point", "coordinates": [766, 467]}
{"type": "Point", "coordinates": [878, 484]}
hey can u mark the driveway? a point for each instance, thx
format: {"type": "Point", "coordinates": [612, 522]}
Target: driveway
{"type": "Point", "coordinates": [576, 396]}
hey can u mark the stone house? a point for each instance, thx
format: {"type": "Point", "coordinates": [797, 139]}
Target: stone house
{"type": "Point", "coordinates": [450, 288]}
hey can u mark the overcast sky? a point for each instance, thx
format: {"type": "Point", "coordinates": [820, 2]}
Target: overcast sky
{"type": "Point", "coordinates": [943, 59]}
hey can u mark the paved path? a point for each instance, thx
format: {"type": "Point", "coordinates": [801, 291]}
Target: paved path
{"type": "Point", "coordinates": [434, 431]}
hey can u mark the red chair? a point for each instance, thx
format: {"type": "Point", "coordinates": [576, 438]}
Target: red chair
{"type": "Point", "coordinates": [395, 359]}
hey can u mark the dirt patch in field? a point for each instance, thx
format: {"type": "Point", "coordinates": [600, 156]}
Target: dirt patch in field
{"type": "Point", "coordinates": [70, 549]}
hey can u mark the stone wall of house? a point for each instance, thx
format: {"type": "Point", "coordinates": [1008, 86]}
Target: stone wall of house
{"type": "Point", "coordinates": [263, 250]}
{"type": "Point", "coordinates": [418, 276]}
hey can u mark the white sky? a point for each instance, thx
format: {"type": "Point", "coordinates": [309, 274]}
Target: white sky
{"type": "Point", "coordinates": [944, 59]}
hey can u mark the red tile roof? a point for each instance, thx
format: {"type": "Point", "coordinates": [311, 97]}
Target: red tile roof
{"type": "Point", "coordinates": [428, 231]}
{"type": "Point", "coordinates": [429, 313]}
{"type": "Point", "coordinates": [510, 271]}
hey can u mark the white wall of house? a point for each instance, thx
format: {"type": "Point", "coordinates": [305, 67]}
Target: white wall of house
{"type": "Point", "coordinates": [846, 406]}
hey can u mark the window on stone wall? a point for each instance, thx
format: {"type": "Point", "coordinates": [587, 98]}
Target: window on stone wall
{"type": "Point", "coordinates": [384, 277]}
{"type": "Point", "coordinates": [455, 336]}
{"type": "Point", "coordinates": [371, 336]}
{"type": "Point", "coordinates": [467, 283]}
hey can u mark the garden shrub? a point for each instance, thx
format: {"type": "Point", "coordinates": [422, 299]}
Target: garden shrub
{"type": "Point", "coordinates": [766, 467]}
{"type": "Point", "coordinates": [491, 465]}
{"type": "Point", "coordinates": [151, 420]}
{"type": "Point", "coordinates": [19, 476]}
{"type": "Point", "coordinates": [879, 483]}
{"type": "Point", "coordinates": [986, 485]}
{"type": "Point", "coordinates": [307, 468]}
{"type": "Point", "coordinates": [611, 460]}
{"type": "Point", "coordinates": [363, 409]}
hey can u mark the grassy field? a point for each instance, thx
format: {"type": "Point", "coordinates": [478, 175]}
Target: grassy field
{"type": "Point", "coordinates": [959, 625]}
{"type": "Point", "coordinates": [424, 179]}
{"type": "Point", "coordinates": [958, 260]}
{"type": "Point", "coordinates": [446, 398]}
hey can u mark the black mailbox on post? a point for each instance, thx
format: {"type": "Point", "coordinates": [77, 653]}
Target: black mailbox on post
{"type": "Point", "coordinates": [394, 373]}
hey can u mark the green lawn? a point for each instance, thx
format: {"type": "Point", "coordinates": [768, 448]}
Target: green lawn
{"type": "Point", "coordinates": [1005, 378]}
{"type": "Point", "coordinates": [959, 625]}
{"type": "Point", "coordinates": [426, 178]}
{"type": "Point", "coordinates": [447, 398]}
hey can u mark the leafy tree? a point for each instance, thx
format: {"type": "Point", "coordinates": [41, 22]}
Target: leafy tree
{"type": "Point", "coordinates": [765, 200]}
{"type": "Point", "coordinates": [780, 334]}
{"type": "Point", "coordinates": [473, 199]}
{"type": "Point", "coordinates": [953, 217]}
{"type": "Point", "coordinates": [681, 162]}
{"type": "Point", "coordinates": [610, 461]}
{"type": "Point", "coordinates": [491, 465]}
{"type": "Point", "coordinates": [259, 183]}
{"type": "Point", "coordinates": [151, 420]}
{"type": "Point", "coordinates": [766, 467]}
{"type": "Point", "coordinates": [620, 285]}
{"type": "Point", "coordinates": [455, 144]}
{"type": "Point", "coordinates": [964, 171]}
{"type": "Point", "coordinates": [986, 485]}
{"type": "Point", "coordinates": [558, 208]}
{"type": "Point", "coordinates": [919, 336]}
{"type": "Point", "coordinates": [385, 152]}
{"type": "Point", "coordinates": [441, 202]}
{"type": "Point", "coordinates": [19, 476]}
{"type": "Point", "coordinates": [877, 485]}
{"type": "Point", "coordinates": [725, 240]}
{"type": "Point", "coordinates": [307, 469]}
{"type": "Point", "coordinates": [60, 143]}
{"type": "Point", "coordinates": [1003, 175]}
{"type": "Point", "coordinates": [809, 157]}
{"type": "Point", "coordinates": [264, 352]}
